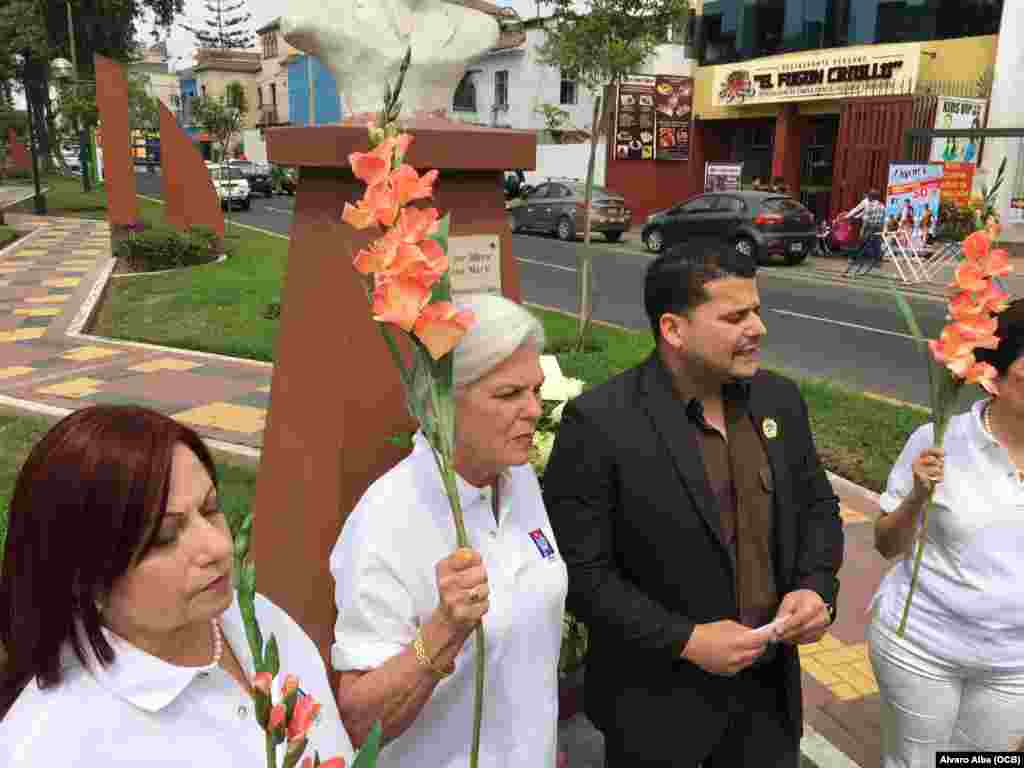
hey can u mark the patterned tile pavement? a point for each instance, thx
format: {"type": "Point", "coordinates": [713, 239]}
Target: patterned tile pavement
{"type": "Point", "coordinates": [44, 280]}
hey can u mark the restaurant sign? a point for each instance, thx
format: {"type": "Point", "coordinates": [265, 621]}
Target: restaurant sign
{"type": "Point", "coordinates": [828, 74]}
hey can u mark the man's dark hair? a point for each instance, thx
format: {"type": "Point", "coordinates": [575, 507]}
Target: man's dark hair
{"type": "Point", "coordinates": [675, 281]}
{"type": "Point", "coordinates": [1010, 330]}
{"type": "Point", "coordinates": [874, 196]}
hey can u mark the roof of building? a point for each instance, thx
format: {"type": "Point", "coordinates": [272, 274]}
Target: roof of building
{"type": "Point", "coordinates": [227, 60]}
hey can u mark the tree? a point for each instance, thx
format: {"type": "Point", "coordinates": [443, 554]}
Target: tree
{"type": "Point", "coordinates": [38, 30]}
{"type": "Point", "coordinates": [226, 25]}
{"type": "Point", "coordinates": [222, 116]}
{"type": "Point", "coordinates": [612, 39]}
{"type": "Point", "coordinates": [555, 118]}
{"type": "Point", "coordinates": [143, 109]}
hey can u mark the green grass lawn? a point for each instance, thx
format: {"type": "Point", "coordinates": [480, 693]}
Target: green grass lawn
{"type": "Point", "coordinates": [7, 235]}
{"type": "Point", "coordinates": [219, 308]}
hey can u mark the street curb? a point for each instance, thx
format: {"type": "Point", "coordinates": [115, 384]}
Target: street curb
{"type": "Point", "coordinates": [822, 752]}
{"type": "Point", "coordinates": [232, 222]}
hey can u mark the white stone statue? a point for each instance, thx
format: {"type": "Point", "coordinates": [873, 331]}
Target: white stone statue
{"type": "Point", "coordinates": [362, 43]}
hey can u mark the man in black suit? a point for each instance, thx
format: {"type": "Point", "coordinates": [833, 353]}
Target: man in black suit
{"type": "Point", "coordinates": [691, 508]}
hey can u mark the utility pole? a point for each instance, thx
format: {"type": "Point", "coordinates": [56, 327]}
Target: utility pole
{"type": "Point", "coordinates": [312, 89]}
{"type": "Point", "coordinates": [40, 199]}
{"type": "Point", "coordinates": [83, 134]}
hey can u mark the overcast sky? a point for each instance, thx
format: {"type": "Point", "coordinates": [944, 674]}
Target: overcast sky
{"type": "Point", "coordinates": [180, 42]}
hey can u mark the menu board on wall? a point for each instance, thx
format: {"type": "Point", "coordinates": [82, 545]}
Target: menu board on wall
{"type": "Point", "coordinates": [722, 177]}
{"type": "Point", "coordinates": [957, 180]}
{"type": "Point", "coordinates": [634, 118]}
{"type": "Point", "coordinates": [673, 105]}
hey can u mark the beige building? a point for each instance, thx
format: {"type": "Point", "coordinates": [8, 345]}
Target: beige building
{"type": "Point", "coordinates": [216, 67]}
{"type": "Point", "coordinates": [272, 82]}
{"type": "Point", "coordinates": [163, 84]}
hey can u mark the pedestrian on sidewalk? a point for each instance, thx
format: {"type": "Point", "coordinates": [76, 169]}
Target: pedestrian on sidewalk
{"type": "Point", "coordinates": [871, 213]}
{"type": "Point", "coordinates": [698, 527]}
{"type": "Point", "coordinates": [408, 605]}
{"type": "Point", "coordinates": [955, 680]}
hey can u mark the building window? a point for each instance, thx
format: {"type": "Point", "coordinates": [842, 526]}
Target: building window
{"type": "Point", "coordinates": [273, 94]}
{"type": "Point", "coordinates": [175, 100]}
{"type": "Point", "coordinates": [203, 89]}
{"type": "Point", "coordinates": [465, 95]}
{"type": "Point", "coordinates": [568, 91]}
{"type": "Point", "coordinates": [732, 31]}
{"type": "Point", "coordinates": [259, 96]}
{"type": "Point", "coordinates": [270, 45]}
{"type": "Point", "coordinates": [501, 88]}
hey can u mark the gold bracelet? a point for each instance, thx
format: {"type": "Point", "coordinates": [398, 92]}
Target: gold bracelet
{"type": "Point", "coordinates": [423, 658]}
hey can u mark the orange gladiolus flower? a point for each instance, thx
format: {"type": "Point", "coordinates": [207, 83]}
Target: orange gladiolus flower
{"type": "Point", "coordinates": [303, 716]}
{"type": "Point", "coordinates": [290, 684]}
{"type": "Point", "coordinates": [965, 305]}
{"type": "Point", "coordinates": [974, 329]}
{"type": "Point", "coordinates": [411, 186]}
{"type": "Point", "coordinates": [440, 326]}
{"type": "Point", "coordinates": [997, 263]}
{"type": "Point", "coordinates": [983, 374]}
{"type": "Point", "coordinates": [976, 246]}
{"type": "Point", "coordinates": [416, 224]}
{"type": "Point", "coordinates": [261, 682]}
{"type": "Point", "coordinates": [371, 167]}
{"type": "Point", "coordinates": [276, 717]}
{"type": "Point", "coordinates": [969, 276]}
{"type": "Point", "coordinates": [951, 345]}
{"type": "Point", "coordinates": [398, 299]}
{"type": "Point", "coordinates": [424, 263]}
{"type": "Point", "coordinates": [378, 257]}
{"type": "Point", "coordinates": [382, 200]}
{"type": "Point", "coordinates": [359, 215]}
{"type": "Point", "coordinates": [994, 299]}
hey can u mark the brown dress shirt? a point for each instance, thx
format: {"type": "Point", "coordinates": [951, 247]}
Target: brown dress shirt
{"type": "Point", "coordinates": [740, 479]}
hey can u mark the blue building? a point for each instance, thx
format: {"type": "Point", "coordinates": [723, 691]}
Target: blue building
{"type": "Point", "coordinates": [326, 101]}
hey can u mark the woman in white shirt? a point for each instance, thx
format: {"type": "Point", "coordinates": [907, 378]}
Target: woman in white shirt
{"type": "Point", "coordinates": [955, 680]}
{"type": "Point", "coordinates": [408, 603]}
{"type": "Point", "coordinates": [125, 644]}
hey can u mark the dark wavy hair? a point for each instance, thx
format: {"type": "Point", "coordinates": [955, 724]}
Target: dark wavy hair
{"type": "Point", "coordinates": [1010, 330]}
{"type": "Point", "coordinates": [86, 508]}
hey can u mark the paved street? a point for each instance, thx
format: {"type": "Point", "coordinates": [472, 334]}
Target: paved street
{"type": "Point", "coordinates": [837, 331]}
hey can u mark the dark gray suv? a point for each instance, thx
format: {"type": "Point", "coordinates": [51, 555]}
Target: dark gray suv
{"type": "Point", "coordinates": [557, 207]}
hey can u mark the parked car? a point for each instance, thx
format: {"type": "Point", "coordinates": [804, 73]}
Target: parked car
{"type": "Point", "coordinates": [70, 155]}
{"type": "Point", "coordinates": [231, 185]}
{"type": "Point", "coordinates": [557, 207]}
{"type": "Point", "coordinates": [761, 224]}
{"type": "Point", "coordinates": [258, 176]}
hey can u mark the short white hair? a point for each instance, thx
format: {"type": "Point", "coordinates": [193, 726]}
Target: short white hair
{"type": "Point", "coordinates": [500, 327]}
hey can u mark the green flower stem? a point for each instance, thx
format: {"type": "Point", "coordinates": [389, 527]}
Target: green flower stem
{"type": "Point", "coordinates": [271, 754]}
{"type": "Point", "coordinates": [941, 421]}
{"type": "Point", "coordinates": [448, 473]}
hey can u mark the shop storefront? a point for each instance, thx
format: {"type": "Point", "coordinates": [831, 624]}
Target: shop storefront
{"type": "Point", "coordinates": [827, 122]}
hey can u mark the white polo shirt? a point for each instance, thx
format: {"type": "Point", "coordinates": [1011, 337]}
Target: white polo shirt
{"type": "Point", "coordinates": [385, 586]}
{"type": "Point", "coordinates": [143, 711]}
{"type": "Point", "coordinates": [969, 603]}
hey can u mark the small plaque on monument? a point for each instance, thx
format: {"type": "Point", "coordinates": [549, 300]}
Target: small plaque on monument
{"type": "Point", "coordinates": [475, 264]}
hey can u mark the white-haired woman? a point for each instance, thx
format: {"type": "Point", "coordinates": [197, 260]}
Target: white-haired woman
{"type": "Point", "coordinates": [408, 601]}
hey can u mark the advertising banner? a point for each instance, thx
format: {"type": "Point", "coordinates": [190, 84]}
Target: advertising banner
{"type": "Point", "coordinates": [957, 114]}
{"type": "Point", "coordinates": [1015, 211]}
{"type": "Point", "coordinates": [634, 118]}
{"type": "Point", "coordinates": [913, 187]}
{"type": "Point", "coordinates": [837, 73]}
{"type": "Point", "coordinates": [722, 177]}
{"type": "Point", "coordinates": [957, 179]}
{"type": "Point", "coordinates": [673, 106]}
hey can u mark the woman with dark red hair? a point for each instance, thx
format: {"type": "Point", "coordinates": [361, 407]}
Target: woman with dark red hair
{"type": "Point", "coordinates": [125, 644]}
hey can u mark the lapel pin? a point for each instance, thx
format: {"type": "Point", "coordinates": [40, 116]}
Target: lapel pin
{"type": "Point", "coordinates": [770, 428]}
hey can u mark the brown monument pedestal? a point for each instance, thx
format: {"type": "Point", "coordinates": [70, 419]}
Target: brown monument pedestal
{"type": "Point", "coordinates": [336, 395]}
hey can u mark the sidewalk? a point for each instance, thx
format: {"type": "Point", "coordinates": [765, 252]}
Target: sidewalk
{"type": "Point", "coordinates": [50, 283]}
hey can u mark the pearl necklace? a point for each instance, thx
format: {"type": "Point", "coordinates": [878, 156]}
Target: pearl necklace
{"type": "Point", "coordinates": [218, 643]}
{"type": "Point", "coordinates": [986, 419]}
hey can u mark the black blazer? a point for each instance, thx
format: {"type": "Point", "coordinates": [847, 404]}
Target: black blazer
{"type": "Point", "coordinates": [639, 529]}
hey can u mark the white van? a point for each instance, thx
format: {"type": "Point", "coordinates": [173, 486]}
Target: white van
{"type": "Point", "coordinates": [231, 185]}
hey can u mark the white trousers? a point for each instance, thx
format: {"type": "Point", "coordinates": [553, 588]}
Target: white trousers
{"type": "Point", "coordinates": [930, 704]}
